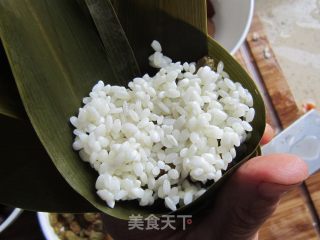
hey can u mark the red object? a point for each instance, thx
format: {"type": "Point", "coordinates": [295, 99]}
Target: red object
{"type": "Point", "coordinates": [308, 106]}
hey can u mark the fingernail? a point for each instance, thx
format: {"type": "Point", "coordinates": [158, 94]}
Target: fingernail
{"type": "Point", "coordinates": [272, 190]}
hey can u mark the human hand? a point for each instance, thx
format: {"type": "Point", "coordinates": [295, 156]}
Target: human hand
{"type": "Point", "coordinates": [243, 204]}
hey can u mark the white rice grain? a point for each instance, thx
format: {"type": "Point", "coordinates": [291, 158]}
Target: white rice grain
{"type": "Point", "coordinates": [146, 140]}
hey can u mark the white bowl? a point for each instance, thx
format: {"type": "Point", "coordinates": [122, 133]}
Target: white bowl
{"type": "Point", "coordinates": [46, 227]}
{"type": "Point", "coordinates": [10, 219]}
{"type": "Point", "coordinates": [232, 21]}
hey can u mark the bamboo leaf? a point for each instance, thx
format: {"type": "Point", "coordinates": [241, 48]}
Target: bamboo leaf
{"type": "Point", "coordinates": [62, 57]}
{"type": "Point", "coordinates": [113, 38]}
{"type": "Point", "coordinates": [28, 178]}
{"type": "Point", "coordinates": [10, 103]}
{"type": "Point", "coordinates": [56, 57]}
{"type": "Point", "coordinates": [26, 170]}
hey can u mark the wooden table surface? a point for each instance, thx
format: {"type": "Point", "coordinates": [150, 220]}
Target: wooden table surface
{"type": "Point", "coordinates": [313, 185]}
{"type": "Point", "coordinates": [297, 217]}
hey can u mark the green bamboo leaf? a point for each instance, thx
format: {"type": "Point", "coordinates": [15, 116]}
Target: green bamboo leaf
{"type": "Point", "coordinates": [24, 160]}
{"type": "Point", "coordinates": [62, 57]}
{"type": "Point", "coordinates": [113, 37]}
{"type": "Point", "coordinates": [56, 57]}
{"type": "Point", "coordinates": [10, 103]}
{"type": "Point", "coordinates": [26, 170]}
{"type": "Point", "coordinates": [28, 178]}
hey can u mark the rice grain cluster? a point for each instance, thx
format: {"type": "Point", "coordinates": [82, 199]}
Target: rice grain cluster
{"type": "Point", "coordinates": [165, 136]}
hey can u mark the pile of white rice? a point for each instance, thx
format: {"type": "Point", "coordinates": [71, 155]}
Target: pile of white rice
{"type": "Point", "coordinates": [166, 135]}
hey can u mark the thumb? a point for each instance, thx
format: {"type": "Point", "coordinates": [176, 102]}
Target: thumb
{"type": "Point", "coordinates": [252, 194]}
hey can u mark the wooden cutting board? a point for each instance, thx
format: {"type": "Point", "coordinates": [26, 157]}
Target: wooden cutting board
{"type": "Point", "coordinates": [296, 216]}
{"type": "Point", "coordinates": [313, 186]}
